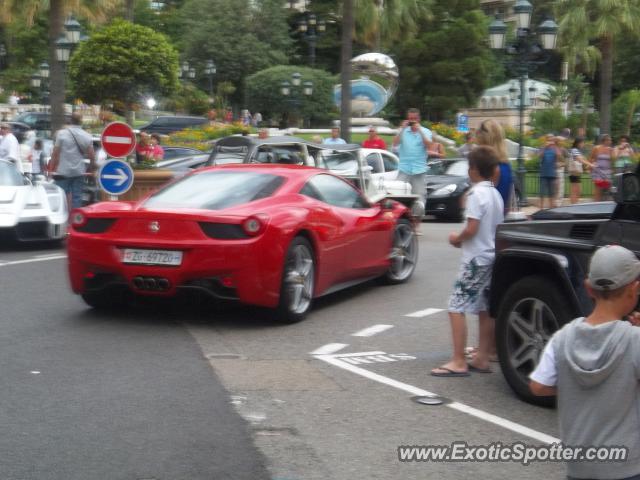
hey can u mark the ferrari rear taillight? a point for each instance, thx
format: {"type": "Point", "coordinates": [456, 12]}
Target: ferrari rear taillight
{"type": "Point", "coordinates": [255, 224]}
{"type": "Point", "coordinates": [78, 219]}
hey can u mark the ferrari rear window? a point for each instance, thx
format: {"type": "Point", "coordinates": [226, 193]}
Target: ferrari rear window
{"type": "Point", "coordinates": [216, 190]}
{"type": "Point", "coordinates": [9, 175]}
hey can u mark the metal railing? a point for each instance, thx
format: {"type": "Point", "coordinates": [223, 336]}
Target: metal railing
{"type": "Point", "coordinates": [532, 184]}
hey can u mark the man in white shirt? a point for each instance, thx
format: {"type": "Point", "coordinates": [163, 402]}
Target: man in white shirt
{"type": "Point", "coordinates": [9, 146]}
{"type": "Point", "coordinates": [334, 139]}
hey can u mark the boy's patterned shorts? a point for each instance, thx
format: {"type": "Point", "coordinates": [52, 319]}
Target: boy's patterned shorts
{"type": "Point", "coordinates": [471, 289]}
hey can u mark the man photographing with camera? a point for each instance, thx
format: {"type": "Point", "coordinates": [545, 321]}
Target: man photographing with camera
{"type": "Point", "coordinates": [413, 142]}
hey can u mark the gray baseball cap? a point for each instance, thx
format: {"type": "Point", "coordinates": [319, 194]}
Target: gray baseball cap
{"type": "Point", "coordinates": [613, 267]}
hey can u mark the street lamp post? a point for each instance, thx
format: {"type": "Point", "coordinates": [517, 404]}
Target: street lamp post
{"type": "Point", "coordinates": [67, 42]}
{"type": "Point", "coordinates": [210, 71]}
{"type": "Point", "coordinates": [528, 51]}
{"type": "Point", "coordinates": [295, 91]}
{"type": "Point", "coordinates": [44, 71]}
{"type": "Point", "coordinates": [3, 55]}
{"type": "Point", "coordinates": [311, 29]}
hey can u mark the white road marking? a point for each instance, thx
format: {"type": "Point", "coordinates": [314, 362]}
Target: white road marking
{"type": "Point", "coordinates": [371, 331]}
{"type": "Point", "coordinates": [377, 358]}
{"type": "Point", "coordinates": [336, 361]}
{"type": "Point", "coordinates": [32, 260]}
{"type": "Point", "coordinates": [35, 372]}
{"type": "Point", "coordinates": [47, 255]}
{"type": "Point", "coordinates": [120, 140]}
{"type": "Point", "coordinates": [424, 313]}
{"type": "Point", "coordinates": [329, 349]}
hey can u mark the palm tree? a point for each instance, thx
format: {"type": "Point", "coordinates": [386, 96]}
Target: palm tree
{"type": "Point", "coordinates": [129, 6]}
{"type": "Point", "coordinates": [388, 20]}
{"type": "Point", "coordinates": [94, 10]}
{"type": "Point", "coordinates": [599, 21]}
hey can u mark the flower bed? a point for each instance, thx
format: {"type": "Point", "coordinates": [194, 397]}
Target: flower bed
{"type": "Point", "coordinates": [201, 137]}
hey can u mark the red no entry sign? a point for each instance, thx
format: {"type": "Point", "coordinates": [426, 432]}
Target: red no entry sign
{"type": "Point", "coordinates": [118, 139]}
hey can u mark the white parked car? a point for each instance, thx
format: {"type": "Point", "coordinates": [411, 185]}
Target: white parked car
{"type": "Point", "coordinates": [384, 171]}
{"type": "Point", "coordinates": [31, 209]}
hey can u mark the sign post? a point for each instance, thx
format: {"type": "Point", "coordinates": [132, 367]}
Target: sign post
{"type": "Point", "coordinates": [463, 123]}
{"type": "Point", "coordinates": [118, 139]}
{"type": "Point", "coordinates": [115, 177]}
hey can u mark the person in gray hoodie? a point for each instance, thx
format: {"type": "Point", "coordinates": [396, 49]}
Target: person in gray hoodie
{"type": "Point", "coordinates": [593, 365]}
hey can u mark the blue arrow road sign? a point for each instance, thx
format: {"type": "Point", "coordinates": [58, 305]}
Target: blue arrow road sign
{"type": "Point", "coordinates": [115, 177]}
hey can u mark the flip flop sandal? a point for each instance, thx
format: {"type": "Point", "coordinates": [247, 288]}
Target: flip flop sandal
{"type": "Point", "coordinates": [448, 373]}
{"type": "Point", "coordinates": [479, 370]}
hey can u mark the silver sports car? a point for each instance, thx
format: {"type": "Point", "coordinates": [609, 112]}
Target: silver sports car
{"type": "Point", "coordinates": [31, 208]}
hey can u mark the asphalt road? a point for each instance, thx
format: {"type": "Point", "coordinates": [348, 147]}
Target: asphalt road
{"type": "Point", "coordinates": [91, 396]}
{"type": "Point", "coordinates": [328, 398]}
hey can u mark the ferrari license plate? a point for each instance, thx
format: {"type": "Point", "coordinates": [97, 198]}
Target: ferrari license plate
{"type": "Point", "coordinates": [152, 257]}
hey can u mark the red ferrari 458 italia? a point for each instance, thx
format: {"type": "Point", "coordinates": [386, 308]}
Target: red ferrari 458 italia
{"type": "Point", "coordinates": [269, 235]}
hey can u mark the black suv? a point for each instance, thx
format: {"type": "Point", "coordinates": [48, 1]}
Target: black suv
{"type": "Point", "coordinates": [165, 125]}
{"type": "Point", "coordinates": [539, 272]}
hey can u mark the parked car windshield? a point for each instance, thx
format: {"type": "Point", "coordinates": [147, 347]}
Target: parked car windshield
{"type": "Point", "coordinates": [340, 161]}
{"type": "Point", "coordinates": [216, 190]}
{"type": "Point", "coordinates": [436, 168]}
{"type": "Point", "coordinates": [459, 168]}
{"type": "Point", "coordinates": [224, 154]}
{"type": "Point", "coordinates": [10, 176]}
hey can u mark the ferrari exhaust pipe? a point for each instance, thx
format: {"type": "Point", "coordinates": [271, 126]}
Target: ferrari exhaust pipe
{"type": "Point", "coordinates": [151, 283]}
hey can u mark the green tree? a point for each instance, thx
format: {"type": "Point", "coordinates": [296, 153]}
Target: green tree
{"type": "Point", "coordinates": [227, 31]}
{"type": "Point", "coordinates": [94, 10]}
{"type": "Point", "coordinates": [602, 22]}
{"type": "Point", "coordinates": [264, 95]}
{"type": "Point", "coordinates": [448, 65]}
{"type": "Point", "coordinates": [188, 99]}
{"type": "Point", "coordinates": [123, 62]}
{"type": "Point", "coordinates": [382, 22]}
{"type": "Point", "coordinates": [624, 109]}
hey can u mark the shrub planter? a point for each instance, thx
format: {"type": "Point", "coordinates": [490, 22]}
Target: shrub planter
{"type": "Point", "coordinates": [144, 183]}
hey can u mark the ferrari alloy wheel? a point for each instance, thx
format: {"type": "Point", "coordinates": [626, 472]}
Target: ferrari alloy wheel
{"type": "Point", "coordinates": [404, 253]}
{"type": "Point", "coordinates": [298, 281]}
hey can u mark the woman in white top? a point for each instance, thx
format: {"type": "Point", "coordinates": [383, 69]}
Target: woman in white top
{"type": "Point", "coordinates": [576, 167]}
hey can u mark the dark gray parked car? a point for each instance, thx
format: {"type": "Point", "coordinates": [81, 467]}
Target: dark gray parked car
{"type": "Point", "coordinates": [165, 125]}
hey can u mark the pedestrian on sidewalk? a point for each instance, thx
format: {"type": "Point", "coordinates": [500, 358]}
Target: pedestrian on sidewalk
{"type": "Point", "coordinates": [491, 133]}
{"type": "Point", "coordinates": [577, 163]}
{"type": "Point", "coordinates": [374, 140]}
{"type": "Point", "coordinates": [624, 155]}
{"type": "Point", "coordinates": [469, 144]}
{"type": "Point", "coordinates": [602, 157]}
{"type": "Point", "coordinates": [593, 365]}
{"type": "Point", "coordinates": [436, 150]}
{"type": "Point", "coordinates": [561, 166]}
{"type": "Point", "coordinates": [549, 156]}
{"type": "Point", "coordinates": [484, 211]}
{"type": "Point", "coordinates": [334, 139]}
{"type": "Point", "coordinates": [413, 142]}
{"type": "Point", "coordinates": [67, 165]}
{"type": "Point", "coordinates": [10, 147]}
{"type": "Point", "coordinates": [38, 161]}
